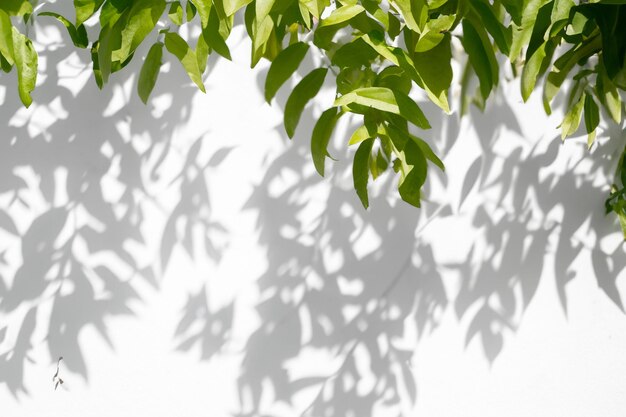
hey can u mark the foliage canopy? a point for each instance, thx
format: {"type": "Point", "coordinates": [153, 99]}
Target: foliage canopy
{"type": "Point", "coordinates": [379, 53]}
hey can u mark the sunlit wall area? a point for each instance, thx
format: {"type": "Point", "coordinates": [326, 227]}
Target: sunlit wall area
{"type": "Point", "coordinates": [185, 259]}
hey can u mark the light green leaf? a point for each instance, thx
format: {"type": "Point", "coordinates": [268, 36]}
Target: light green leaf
{"type": "Point", "coordinates": [204, 10]}
{"type": "Point", "coordinates": [190, 10]}
{"type": "Point", "coordinates": [415, 13]}
{"type": "Point", "coordinates": [531, 70]}
{"type": "Point", "coordinates": [202, 53]}
{"type": "Point", "coordinates": [142, 18]}
{"type": "Point", "coordinates": [522, 33]}
{"type": "Point", "coordinates": [6, 37]}
{"type": "Point", "coordinates": [85, 9]}
{"type": "Point", "coordinates": [306, 89]}
{"type": "Point", "coordinates": [360, 170]}
{"type": "Point", "coordinates": [608, 94]}
{"type": "Point", "coordinates": [77, 34]}
{"type": "Point", "coordinates": [387, 100]}
{"type": "Point", "coordinates": [315, 7]}
{"type": "Point", "coordinates": [359, 135]}
{"type": "Point", "coordinates": [572, 118]}
{"type": "Point", "coordinates": [187, 57]}
{"type": "Point", "coordinates": [263, 8]}
{"type": "Point", "coordinates": [150, 71]}
{"type": "Point", "coordinates": [176, 13]}
{"type": "Point", "coordinates": [260, 35]}
{"type": "Point", "coordinates": [285, 64]}
{"type": "Point", "coordinates": [341, 15]}
{"type": "Point", "coordinates": [414, 174]}
{"type": "Point", "coordinates": [26, 63]}
{"type": "Point", "coordinates": [231, 6]}
{"type": "Point", "coordinates": [321, 136]}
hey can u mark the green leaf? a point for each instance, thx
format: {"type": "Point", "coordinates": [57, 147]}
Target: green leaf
{"type": "Point", "coordinates": [6, 37]}
{"type": "Point", "coordinates": [306, 89]}
{"type": "Point", "coordinates": [481, 57]}
{"type": "Point", "coordinates": [77, 34]}
{"type": "Point", "coordinates": [386, 100]}
{"type": "Point", "coordinates": [415, 13]}
{"type": "Point", "coordinates": [428, 152]}
{"type": "Point", "coordinates": [150, 71]}
{"type": "Point", "coordinates": [26, 63]}
{"type": "Point", "coordinates": [285, 64]}
{"type": "Point", "coordinates": [260, 36]}
{"type": "Point", "coordinates": [231, 6]}
{"type": "Point", "coordinates": [16, 7]}
{"type": "Point", "coordinates": [564, 65]}
{"type": "Point", "coordinates": [213, 37]}
{"type": "Point", "coordinates": [523, 32]}
{"type": "Point", "coordinates": [315, 7]}
{"type": "Point", "coordinates": [341, 15]}
{"type": "Point", "coordinates": [187, 57]}
{"type": "Point", "coordinates": [360, 170]}
{"type": "Point", "coordinates": [142, 18]}
{"type": "Point", "coordinates": [609, 95]}
{"type": "Point", "coordinates": [572, 118]}
{"type": "Point", "coordinates": [262, 8]}
{"type": "Point", "coordinates": [435, 71]}
{"type": "Point", "coordinates": [359, 135]}
{"type": "Point", "coordinates": [592, 118]}
{"type": "Point", "coordinates": [190, 10]}
{"type": "Point", "coordinates": [395, 78]}
{"type": "Point", "coordinates": [176, 13]}
{"type": "Point", "coordinates": [321, 136]}
{"type": "Point", "coordinates": [414, 174]}
{"type": "Point", "coordinates": [202, 53]}
{"type": "Point", "coordinates": [204, 10]}
{"type": "Point", "coordinates": [501, 35]}
{"type": "Point", "coordinates": [85, 9]}
{"type": "Point", "coordinates": [354, 54]}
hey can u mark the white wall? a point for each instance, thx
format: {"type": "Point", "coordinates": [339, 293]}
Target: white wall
{"type": "Point", "coordinates": [186, 260]}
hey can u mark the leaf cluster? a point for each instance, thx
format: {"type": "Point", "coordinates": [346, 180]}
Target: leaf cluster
{"type": "Point", "coordinates": [380, 53]}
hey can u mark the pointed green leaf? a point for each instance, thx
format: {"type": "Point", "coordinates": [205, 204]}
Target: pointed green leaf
{"type": "Point", "coordinates": [213, 37]}
{"type": "Point", "coordinates": [150, 71]}
{"type": "Point", "coordinates": [572, 118]}
{"type": "Point", "coordinates": [341, 15]}
{"type": "Point", "coordinates": [204, 10]}
{"type": "Point", "coordinates": [77, 34]}
{"type": "Point", "coordinates": [142, 18]}
{"type": "Point", "coordinates": [306, 89]}
{"type": "Point", "coordinates": [26, 63]}
{"type": "Point", "coordinates": [187, 57]}
{"type": "Point", "coordinates": [231, 6]}
{"type": "Point", "coordinates": [360, 170]}
{"type": "Point", "coordinates": [285, 64]}
{"type": "Point", "coordinates": [415, 13]}
{"type": "Point", "coordinates": [592, 118]}
{"type": "Point", "coordinates": [176, 13]}
{"type": "Point", "coordinates": [414, 168]}
{"type": "Point", "coordinates": [435, 70]}
{"type": "Point", "coordinates": [387, 100]}
{"type": "Point", "coordinates": [481, 57]}
{"type": "Point", "coordinates": [321, 136]}
{"type": "Point", "coordinates": [85, 9]}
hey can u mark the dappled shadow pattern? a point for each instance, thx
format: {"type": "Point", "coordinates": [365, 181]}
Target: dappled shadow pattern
{"type": "Point", "coordinates": [79, 171]}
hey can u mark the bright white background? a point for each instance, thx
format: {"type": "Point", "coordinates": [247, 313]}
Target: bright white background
{"type": "Point", "coordinates": [186, 260]}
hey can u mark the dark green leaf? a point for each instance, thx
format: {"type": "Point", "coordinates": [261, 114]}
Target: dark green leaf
{"type": "Point", "coordinates": [16, 7]}
{"type": "Point", "coordinates": [481, 57]}
{"type": "Point", "coordinates": [285, 64]}
{"type": "Point", "coordinates": [150, 71]}
{"type": "Point", "coordinates": [306, 89]}
{"type": "Point", "coordinates": [360, 170]}
{"type": "Point", "coordinates": [321, 136]}
{"type": "Point", "coordinates": [77, 34]}
{"type": "Point", "coordinates": [213, 37]}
